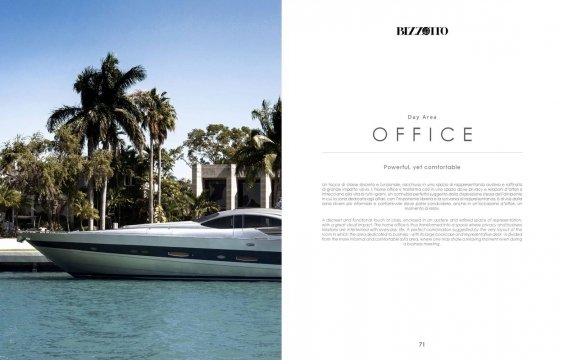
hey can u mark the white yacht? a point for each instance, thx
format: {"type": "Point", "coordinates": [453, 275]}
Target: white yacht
{"type": "Point", "coordinates": [241, 244]}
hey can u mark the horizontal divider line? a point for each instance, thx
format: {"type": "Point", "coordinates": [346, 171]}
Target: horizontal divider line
{"type": "Point", "coordinates": [422, 152]}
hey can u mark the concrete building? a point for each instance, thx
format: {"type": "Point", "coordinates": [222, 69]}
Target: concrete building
{"type": "Point", "coordinates": [229, 190]}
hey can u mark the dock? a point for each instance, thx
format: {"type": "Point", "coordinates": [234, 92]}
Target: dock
{"type": "Point", "coordinates": [16, 256]}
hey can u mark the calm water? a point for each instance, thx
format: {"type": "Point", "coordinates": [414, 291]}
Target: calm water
{"type": "Point", "coordinates": [53, 316]}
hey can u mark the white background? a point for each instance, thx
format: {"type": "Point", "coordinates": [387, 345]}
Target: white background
{"type": "Point", "coordinates": [345, 72]}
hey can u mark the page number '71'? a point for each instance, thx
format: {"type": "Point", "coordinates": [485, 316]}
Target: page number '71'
{"type": "Point", "coordinates": [421, 344]}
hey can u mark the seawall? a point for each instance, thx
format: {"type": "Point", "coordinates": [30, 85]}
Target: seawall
{"type": "Point", "coordinates": [15, 256]}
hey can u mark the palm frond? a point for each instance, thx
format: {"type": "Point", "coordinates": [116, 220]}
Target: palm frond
{"type": "Point", "coordinates": [131, 77]}
{"type": "Point", "coordinates": [61, 115]}
{"type": "Point", "coordinates": [260, 140]}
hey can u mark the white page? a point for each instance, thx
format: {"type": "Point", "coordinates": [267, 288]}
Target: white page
{"type": "Point", "coordinates": [496, 75]}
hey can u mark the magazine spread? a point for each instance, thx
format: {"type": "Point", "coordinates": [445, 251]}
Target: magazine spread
{"type": "Point", "coordinates": [422, 180]}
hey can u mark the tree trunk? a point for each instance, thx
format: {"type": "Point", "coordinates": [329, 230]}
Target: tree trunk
{"type": "Point", "coordinates": [159, 176]}
{"type": "Point", "coordinates": [151, 184]}
{"type": "Point", "coordinates": [103, 205]}
{"type": "Point", "coordinates": [104, 196]}
{"type": "Point", "coordinates": [68, 202]}
{"type": "Point", "coordinates": [278, 187]}
{"type": "Point", "coordinates": [90, 183]}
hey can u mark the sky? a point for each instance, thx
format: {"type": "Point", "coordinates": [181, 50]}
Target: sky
{"type": "Point", "coordinates": [216, 59]}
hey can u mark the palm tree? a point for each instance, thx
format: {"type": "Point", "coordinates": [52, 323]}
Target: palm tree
{"type": "Point", "coordinates": [167, 122]}
{"type": "Point", "coordinates": [262, 152]}
{"type": "Point", "coordinates": [201, 205]}
{"type": "Point", "coordinates": [9, 197]}
{"type": "Point", "coordinates": [82, 209]}
{"type": "Point", "coordinates": [121, 114]}
{"type": "Point", "coordinates": [158, 116]}
{"type": "Point", "coordinates": [83, 119]}
{"type": "Point", "coordinates": [105, 110]}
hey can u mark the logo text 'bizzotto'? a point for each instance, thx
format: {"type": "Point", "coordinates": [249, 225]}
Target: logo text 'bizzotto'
{"type": "Point", "coordinates": [422, 30]}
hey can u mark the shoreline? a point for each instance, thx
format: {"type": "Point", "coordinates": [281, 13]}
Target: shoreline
{"type": "Point", "coordinates": [16, 256]}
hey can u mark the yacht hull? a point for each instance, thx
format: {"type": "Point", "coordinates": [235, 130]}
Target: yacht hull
{"type": "Point", "coordinates": [110, 255]}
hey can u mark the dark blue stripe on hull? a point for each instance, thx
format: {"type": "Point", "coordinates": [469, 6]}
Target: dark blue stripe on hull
{"type": "Point", "coordinates": [223, 255]}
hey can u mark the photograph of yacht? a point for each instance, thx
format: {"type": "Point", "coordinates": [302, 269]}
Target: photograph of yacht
{"type": "Point", "coordinates": [240, 244]}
